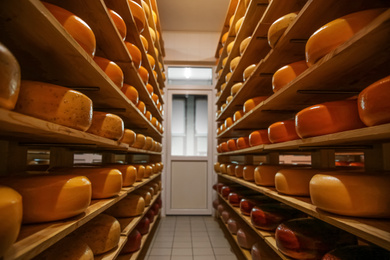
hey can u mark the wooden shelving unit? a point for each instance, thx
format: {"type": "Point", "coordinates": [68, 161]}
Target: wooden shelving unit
{"type": "Point", "coordinates": [112, 254]}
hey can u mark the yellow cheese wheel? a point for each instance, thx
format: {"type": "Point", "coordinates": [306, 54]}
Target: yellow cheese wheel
{"type": "Point", "coordinates": [252, 103]}
{"type": "Point", "coordinates": [159, 167]}
{"type": "Point", "coordinates": [352, 194]}
{"type": "Point", "coordinates": [222, 168]}
{"type": "Point", "coordinates": [228, 122]}
{"type": "Point", "coordinates": [265, 174]}
{"type": "Point", "coordinates": [75, 26]}
{"type": "Point", "coordinates": [145, 43]}
{"type": "Point", "coordinates": [119, 23]}
{"type": "Point", "coordinates": [130, 206]}
{"type": "Point", "coordinates": [229, 99]}
{"type": "Point", "coordinates": [152, 34]}
{"type": "Point", "coordinates": [11, 209]}
{"type": "Point", "coordinates": [51, 197]}
{"type": "Point", "coordinates": [235, 88]}
{"type": "Point", "coordinates": [101, 234]}
{"type": "Point", "coordinates": [9, 79]}
{"type": "Point", "coordinates": [217, 167]}
{"type": "Point", "coordinates": [135, 53]}
{"type": "Point", "coordinates": [151, 60]}
{"type": "Point", "coordinates": [223, 86]}
{"type": "Point", "coordinates": [55, 104]}
{"type": "Point", "coordinates": [224, 38]}
{"type": "Point", "coordinates": [294, 181]}
{"type": "Point", "coordinates": [238, 25]}
{"type": "Point", "coordinates": [287, 73]}
{"type": "Point", "coordinates": [131, 93]}
{"type": "Point", "coordinates": [140, 171]}
{"type": "Point", "coordinates": [228, 76]}
{"type": "Point", "coordinates": [223, 108]}
{"type": "Point", "coordinates": [148, 171]}
{"type": "Point", "coordinates": [238, 115]}
{"type": "Point", "coordinates": [138, 15]}
{"type": "Point", "coordinates": [234, 62]}
{"type": "Point", "coordinates": [155, 17]}
{"type": "Point", "coordinates": [219, 74]}
{"type": "Point", "coordinates": [148, 115]}
{"type": "Point", "coordinates": [231, 20]}
{"type": "Point", "coordinates": [230, 47]}
{"type": "Point", "coordinates": [244, 44]}
{"type": "Point", "coordinates": [336, 32]}
{"type": "Point", "coordinates": [224, 61]}
{"type": "Point", "coordinates": [249, 172]}
{"type": "Point", "coordinates": [139, 141]}
{"type": "Point", "coordinates": [146, 8]}
{"type": "Point", "coordinates": [144, 194]}
{"type": "Point", "coordinates": [106, 125]}
{"type": "Point", "coordinates": [70, 247]}
{"type": "Point", "coordinates": [129, 173]}
{"type": "Point", "coordinates": [277, 28]}
{"type": "Point", "coordinates": [128, 137]}
{"type": "Point", "coordinates": [141, 107]}
{"type": "Point", "coordinates": [248, 71]}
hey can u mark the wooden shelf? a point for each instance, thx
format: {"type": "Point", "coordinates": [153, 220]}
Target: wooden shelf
{"type": "Point", "coordinates": [35, 238]}
{"type": "Point", "coordinates": [351, 67]}
{"type": "Point", "coordinates": [376, 231]}
{"type": "Point", "coordinates": [113, 254]}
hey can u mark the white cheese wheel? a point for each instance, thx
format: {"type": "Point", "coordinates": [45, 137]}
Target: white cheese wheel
{"type": "Point", "coordinates": [294, 181]}
{"type": "Point", "coordinates": [106, 125]}
{"type": "Point", "coordinates": [130, 206]}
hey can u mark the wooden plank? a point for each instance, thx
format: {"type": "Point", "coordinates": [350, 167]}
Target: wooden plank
{"type": "Point", "coordinates": [113, 254]}
{"type": "Point", "coordinates": [376, 231]}
{"type": "Point", "coordinates": [271, 242]}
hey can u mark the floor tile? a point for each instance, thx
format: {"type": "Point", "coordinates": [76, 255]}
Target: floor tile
{"type": "Point", "coordinates": [225, 257]}
{"type": "Point", "coordinates": [220, 243]}
{"type": "Point", "coordinates": [203, 251]}
{"type": "Point", "coordinates": [180, 244]}
{"type": "Point", "coordinates": [181, 257]}
{"type": "Point", "coordinates": [159, 257]}
{"type": "Point", "coordinates": [182, 251]}
{"type": "Point", "coordinates": [162, 244]}
{"type": "Point", "coordinates": [197, 244]}
{"type": "Point", "coordinates": [222, 251]}
{"type": "Point", "coordinates": [199, 234]}
{"type": "Point", "coordinates": [161, 251]}
{"type": "Point", "coordinates": [201, 239]}
{"type": "Point", "coordinates": [204, 257]}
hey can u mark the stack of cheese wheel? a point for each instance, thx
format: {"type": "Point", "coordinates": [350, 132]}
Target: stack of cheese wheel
{"type": "Point", "coordinates": [75, 26]}
{"type": "Point", "coordinates": [112, 70]}
{"type": "Point", "coordinates": [286, 74]}
{"type": "Point", "coordinates": [352, 194]}
{"type": "Point", "coordinates": [9, 79]}
{"type": "Point", "coordinates": [335, 33]}
{"type": "Point", "coordinates": [282, 131]}
{"type": "Point", "coordinates": [277, 28]}
{"type": "Point", "coordinates": [106, 125]}
{"type": "Point", "coordinates": [51, 197]}
{"type": "Point", "coordinates": [11, 209]}
{"type": "Point", "coordinates": [55, 104]}
{"type": "Point", "coordinates": [294, 181]}
{"type": "Point", "coordinates": [130, 206]}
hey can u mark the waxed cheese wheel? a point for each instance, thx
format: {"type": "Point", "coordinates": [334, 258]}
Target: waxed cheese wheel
{"type": "Point", "coordinates": [282, 131]}
{"type": "Point", "coordinates": [135, 53]}
{"type": "Point", "coordinates": [143, 226]}
{"type": "Point", "coordinates": [144, 194]}
{"type": "Point", "coordinates": [129, 173]}
{"type": "Point", "coordinates": [148, 171]}
{"type": "Point", "coordinates": [151, 60]}
{"type": "Point", "coordinates": [144, 74]}
{"type": "Point", "coordinates": [259, 137]}
{"type": "Point", "coordinates": [306, 238]}
{"type": "Point", "coordinates": [246, 239]}
{"type": "Point", "coordinates": [140, 141]}
{"type": "Point", "coordinates": [217, 167]}
{"type": "Point", "coordinates": [106, 125]}
{"type": "Point", "coordinates": [150, 214]}
{"type": "Point", "coordinates": [228, 76]}
{"type": "Point", "coordinates": [239, 171]}
{"type": "Point", "coordinates": [228, 122]}
{"type": "Point", "coordinates": [234, 62]}
{"type": "Point", "coordinates": [75, 26]}
{"type": "Point", "coordinates": [256, 252]}
{"type": "Point", "coordinates": [218, 186]}
{"type": "Point", "coordinates": [225, 216]}
{"type": "Point", "coordinates": [215, 203]}
{"type": "Point", "coordinates": [235, 88]}
{"type": "Point", "coordinates": [131, 93]}
{"type": "Point", "coordinates": [128, 137]}
{"type": "Point", "coordinates": [294, 181]}
{"type": "Point", "coordinates": [248, 71]}
{"type": "Point", "coordinates": [242, 142]}
{"type": "Point", "coordinates": [286, 74]}
{"type": "Point", "coordinates": [224, 147]}
{"type": "Point", "coordinates": [119, 23]}
{"type": "Point", "coordinates": [230, 47]}
{"type": "Point", "coordinates": [232, 146]}
{"type": "Point", "coordinates": [252, 103]}
{"type": "Point", "coordinates": [222, 168]}
{"type": "Point", "coordinates": [112, 70]}
{"type": "Point", "coordinates": [373, 105]}
{"type": "Point", "coordinates": [130, 206]}
{"type": "Point", "coordinates": [265, 174]}
{"type": "Point", "coordinates": [247, 204]}
{"type": "Point", "coordinates": [51, 197]}
{"type": "Point", "coordinates": [138, 15]}
{"type": "Point", "coordinates": [233, 226]}
{"type": "Point", "coordinates": [70, 247]}
{"type": "Point", "coordinates": [235, 197]}
{"type": "Point", "coordinates": [101, 234]}
{"type": "Point", "coordinates": [352, 194]}
{"type": "Point", "coordinates": [238, 115]}
{"type": "Point", "coordinates": [133, 242]}
{"type": "Point", "coordinates": [336, 32]}
{"type": "Point", "coordinates": [140, 171]}
{"type": "Point", "coordinates": [141, 107]}
{"type": "Point", "coordinates": [152, 34]}
{"type": "Point", "coordinates": [239, 24]}
{"type": "Point", "coordinates": [357, 252]}
{"type": "Point", "coordinates": [145, 43]}
{"type": "Point", "coordinates": [244, 44]}
{"type": "Point", "coordinates": [249, 172]}
{"type": "Point", "coordinates": [229, 99]}
{"type": "Point", "coordinates": [148, 143]}
{"type": "Point", "coordinates": [55, 104]}
{"type": "Point", "coordinates": [230, 170]}
{"type": "Point", "coordinates": [9, 79]}
{"type": "Point", "coordinates": [328, 118]}
{"type": "Point", "coordinates": [277, 28]}
{"type": "Point", "coordinates": [11, 209]}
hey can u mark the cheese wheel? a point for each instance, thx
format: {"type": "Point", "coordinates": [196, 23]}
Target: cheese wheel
{"type": "Point", "coordinates": [220, 52]}
{"type": "Point", "coordinates": [148, 115]}
{"type": "Point", "coordinates": [259, 137]}
{"type": "Point", "coordinates": [155, 99]}
{"type": "Point", "coordinates": [247, 204]}
{"type": "Point", "coordinates": [277, 28]}
{"type": "Point", "coordinates": [223, 86]}
{"type": "Point", "coordinates": [128, 137]}
{"type": "Point", "coordinates": [373, 105]}
{"type": "Point", "coordinates": [231, 20]}
{"type": "Point", "coordinates": [228, 122]}
{"type": "Point", "coordinates": [150, 89]}
{"type": "Point", "coordinates": [224, 61]}
{"type": "Point", "coordinates": [265, 174]}
{"type": "Point", "coordinates": [75, 26]}
{"type": "Point", "coordinates": [234, 62]}
{"type": "Point", "coordinates": [133, 242]}
{"type": "Point", "coordinates": [129, 173]}
{"type": "Point", "coordinates": [224, 38]}
{"type": "Point", "coordinates": [141, 107]}
{"type": "Point", "coordinates": [328, 118]}
{"type": "Point", "coordinates": [152, 34]}
{"type": "Point", "coordinates": [294, 181]}
{"type": "Point", "coordinates": [68, 248]}
{"type": "Point", "coordinates": [239, 171]}
{"type": "Point", "coordinates": [228, 76]}
{"type": "Point", "coordinates": [256, 252]}
{"type": "Point", "coordinates": [238, 25]}
{"type": "Point", "coordinates": [357, 252]}
{"type": "Point", "coordinates": [246, 239]}
{"type": "Point", "coordinates": [130, 206]}
{"type": "Point", "coordinates": [229, 99]}
{"type": "Point", "coordinates": [249, 172]}
{"type": "Point", "coordinates": [229, 47]}
{"type": "Point", "coordinates": [145, 43]}
{"type": "Point", "coordinates": [55, 104]}
{"type": "Point", "coordinates": [336, 32]}
{"type": "Point", "coordinates": [148, 143]}
{"type": "Point", "coordinates": [217, 167]}
{"type": "Point", "coordinates": [144, 194]}
{"type": "Point", "coordinates": [135, 54]}
{"type": "Point", "coordinates": [286, 74]}
{"type": "Point", "coordinates": [352, 194]}
{"type": "Point", "coordinates": [222, 127]}
{"type": "Point", "coordinates": [106, 125]}
{"type": "Point", "coordinates": [232, 146]}
{"type": "Point", "coordinates": [248, 71]}
{"type": "Point", "coordinates": [119, 23]}
{"type": "Point", "coordinates": [238, 115]}
{"type": "Point", "coordinates": [51, 197]}
{"type": "Point", "coordinates": [9, 79]}
{"type": "Point", "coordinates": [219, 73]}
{"type": "Point", "coordinates": [223, 107]}
{"type": "Point", "coordinates": [101, 234]}
{"type": "Point", "coordinates": [11, 209]}
{"type": "Point", "coordinates": [222, 168]}
{"type": "Point", "coordinates": [144, 74]}
{"type": "Point", "coordinates": [148, 171]}
{"type": "Point", "coordinates": [244, 44]}
{"type": "Point", "coordinates": [154, 121]}
{"type": "Point", "coordinates": [155, 18]}
{"type": "Point", "coordinates": [242, 142]}
{"type": "Point", "coordinates": [143, 226]}
{"type": "Point", "coordinates": [282, 131]}
{"type": "Point", "coordinates": [150, 214]}
{"type": "Point", "coordinates": [225, 216]}
{"type": "Point", "coordinates": [138, 15]}
{"type": "Point", "coordinates": [140, 171]}
{"type": "Point", "coordinates": [131, 93]}
{"type": "Point", "coordinates": [224, 147]}
{"type": "Point", "coordinates": [233, 226]}
{"type": "Point", "coordinates": [146, 8]}
{"type": "Point", "coordinates": [230, 169]}
{"type": "Point", "coordinates": [140, 141]}
{"type": "Point", "coordinates": [252, 103]}
{"type": "Point", "coordinates": [235, 88]}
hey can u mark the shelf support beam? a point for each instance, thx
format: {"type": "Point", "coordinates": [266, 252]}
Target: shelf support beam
{"type": "Point", "coordinates": [13, 159]}
{"type": "Point", "coordinates": [61, 157]}
{"type": "Point", "coordinates": [377, 158]}
{"type": "Point", "coordinates": [323, 159]}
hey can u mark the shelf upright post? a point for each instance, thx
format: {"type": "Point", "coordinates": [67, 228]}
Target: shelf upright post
{"type": "Point", "coordinates": [61, 157]}
{"type": "Point", "coordinates": [377, 158]}
{"type": "Point", "coordinates": [323, 159]}
{"type": "Point", "coordinates": [13, 159]}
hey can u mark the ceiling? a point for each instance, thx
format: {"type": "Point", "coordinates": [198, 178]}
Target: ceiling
{"type": "Point", "coordinates": [192, 15]}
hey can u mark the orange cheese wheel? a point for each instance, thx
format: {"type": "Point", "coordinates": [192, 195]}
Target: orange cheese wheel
{"type": "Point", "coordinates": [248, 71]}
{"type": "Point", "coordinates": [145, 43]}
{"type": "Point", "coordinates": [138, 15]}
{"type": "Point", "coordinates": [154, 121]}
{"type": "Point", "coordinates": [234, 62]}
{"type": "Point", "coordinates": [244, 44]}
{"type": "Point", "coordinates": [242, 142]}
{"type": "Point", "coordinates": [282, 131]}
{"type": "Point", "coordinates": [144, 74]}
{"type": "Point", "coordinates": [101, 234]}
{"type": "Point", "coordinates": [223, 127]}
{"type": "Point", "coordinates": [265, 174]}
{"type": "Point", "coordinates": [55, 104]}
{"type": "Point", "coordinates": [238, 25]}
{"type": "Point", "coordinates": [144, 194]}
{"type": "Point", "coordinates": [230, 47]}
{"type": "Point", "coordinates": [130, 206]}
{"type": "Point", "coordinates": [352, 194]}
{"type": "Point", "coordinates": [220, 52]}
{"type": "Point", "coordinates": [112, 70]}
{"type": "Point", "coordinates": [336, 32]}
{"type": "Point", "coordinates": [228, 76]}
{"type": "Point", "coordinates": [231, 20]}
{"type": "Point", "coordinates": [232, 146]}
{"type": "Point", "coordinates": [140, 141]}
{"type": "Point", "coordinates": [228, 122]}
{"type": "Point", "coordinates": [249, 172]}
{"type": "Point", "coordinates": [155, 99]}
{"type": "Point", "coordinates": [128, 137]}
{"type": "Point", "coordinates": [155, 75]}
{"type": "Point", "coordinates": [224, 38]}
{"type": "Point", "coordinates": [230, 169]}
{"type": "Point", "coordinates": [328, 118]}
{"type": "Point", "coordinates": [148, 171]}
{"type": "Point", "coordinates": [150, 89]}
{"type": "Point", "coordinates": [140, 171]}
{"type": "Point", "coordinates": [151, 60]}
{"type": "Point", "coordinates": [10, 218]}
{"type": "Point", "coordinates": [106, 125]}
{"type": "Point", "coordinates": [238, 115]}
{"type": "Point", "coordinates": [51, 197]}
{"type": "Point", "coordinates": [373, 105]}
{"type": "Point", "coordinates": [75, 26]}
{"type": "Point", "coordinates": [217, 167]}
{"type": "Point", "coordinates": [148, 143]}
{"type": "Point", "coordinates": [9, 79]}
{"type": "Point", "coordinates": [131, 93]}
{"type": "Point", "coordinates": [141, 107]}
{"type": "Point", "coordinates": [252, 103]}
{"type": "Point", "coordinates": [223, 168]}
{"type": "Point", "coordinates": [235, 88]}
{"type": "Point", "coordinates": [287, 73]}
{"type": "Point", "coordinates": [224, 147]}
{"type": "Point", "coordinates": [294, 181]}
{"type": "Point", "coordinates": [277, 28]}
{"type": "Point", "coordinates": [259, 137]}
{"type": "Point", "coordinates": [155, 17]}
{"type": "Point", "coordinates": [70, 247]}
{"type": "Point", "coordinates": [239, 171]}
{"type": "Point", "coordinates": [223, 86]}
{"type": "Point", "coordinates": [148, 115]}
{"type": "Point", "coordinates": [129, 173]}
{"type": "Point", "coordinates": [119, 23]}
{"type": "Point", "coordinates": [135, 54]}
{"type": "Point", "coordinates": [219, 150]}
{"type": "Point", "coordinates": [219, 73]}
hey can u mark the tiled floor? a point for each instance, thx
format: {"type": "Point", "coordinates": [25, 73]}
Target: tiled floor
{"type": "Point", "coordinates": [189, 237]}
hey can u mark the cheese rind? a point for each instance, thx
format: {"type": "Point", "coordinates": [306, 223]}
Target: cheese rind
{"type": "Point", "coordinates": [106, 125]}
{"type": "Point", "coordinates": [9, 79]}
{"type": "Point", "coordinates": [265, 174]}
{"type": "Point", "coordinates": [118, 22]}
{"type": "Point", "coordinates": [252, 103]}
{"type": "Point", "coordinates": [130, 206]}
{"type": "Point", "coordinates": [68, 248]}
{"type": "Point", "coordinates": [131, 93]}
{"type": "Point", "coordinates": [128, 137]}
{"type": "Point", "coordinates": [286, 74]}
{"type": "Point", "coordinates": [277, 28]}
{"type": "Point", "coordinates": [259, 137]}
{"type": "Point", "coordinates": [294, 182]}
{"type": "Point", "coordinates": [138, 15]}
{"type": "Point", "coordinates": [112, 70]}
{"type": "Point", "coordinates": [282, 131]}
{"type": "Point", "coordinates": [135, 53]}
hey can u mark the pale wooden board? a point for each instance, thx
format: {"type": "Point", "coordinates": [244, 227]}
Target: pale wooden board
{"type": "Point", "coordinates": [251, 150]}
{"type": "Point", "coordinates": [113, 254]}
{"type": "Point", "coordinates": [376, 231]}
